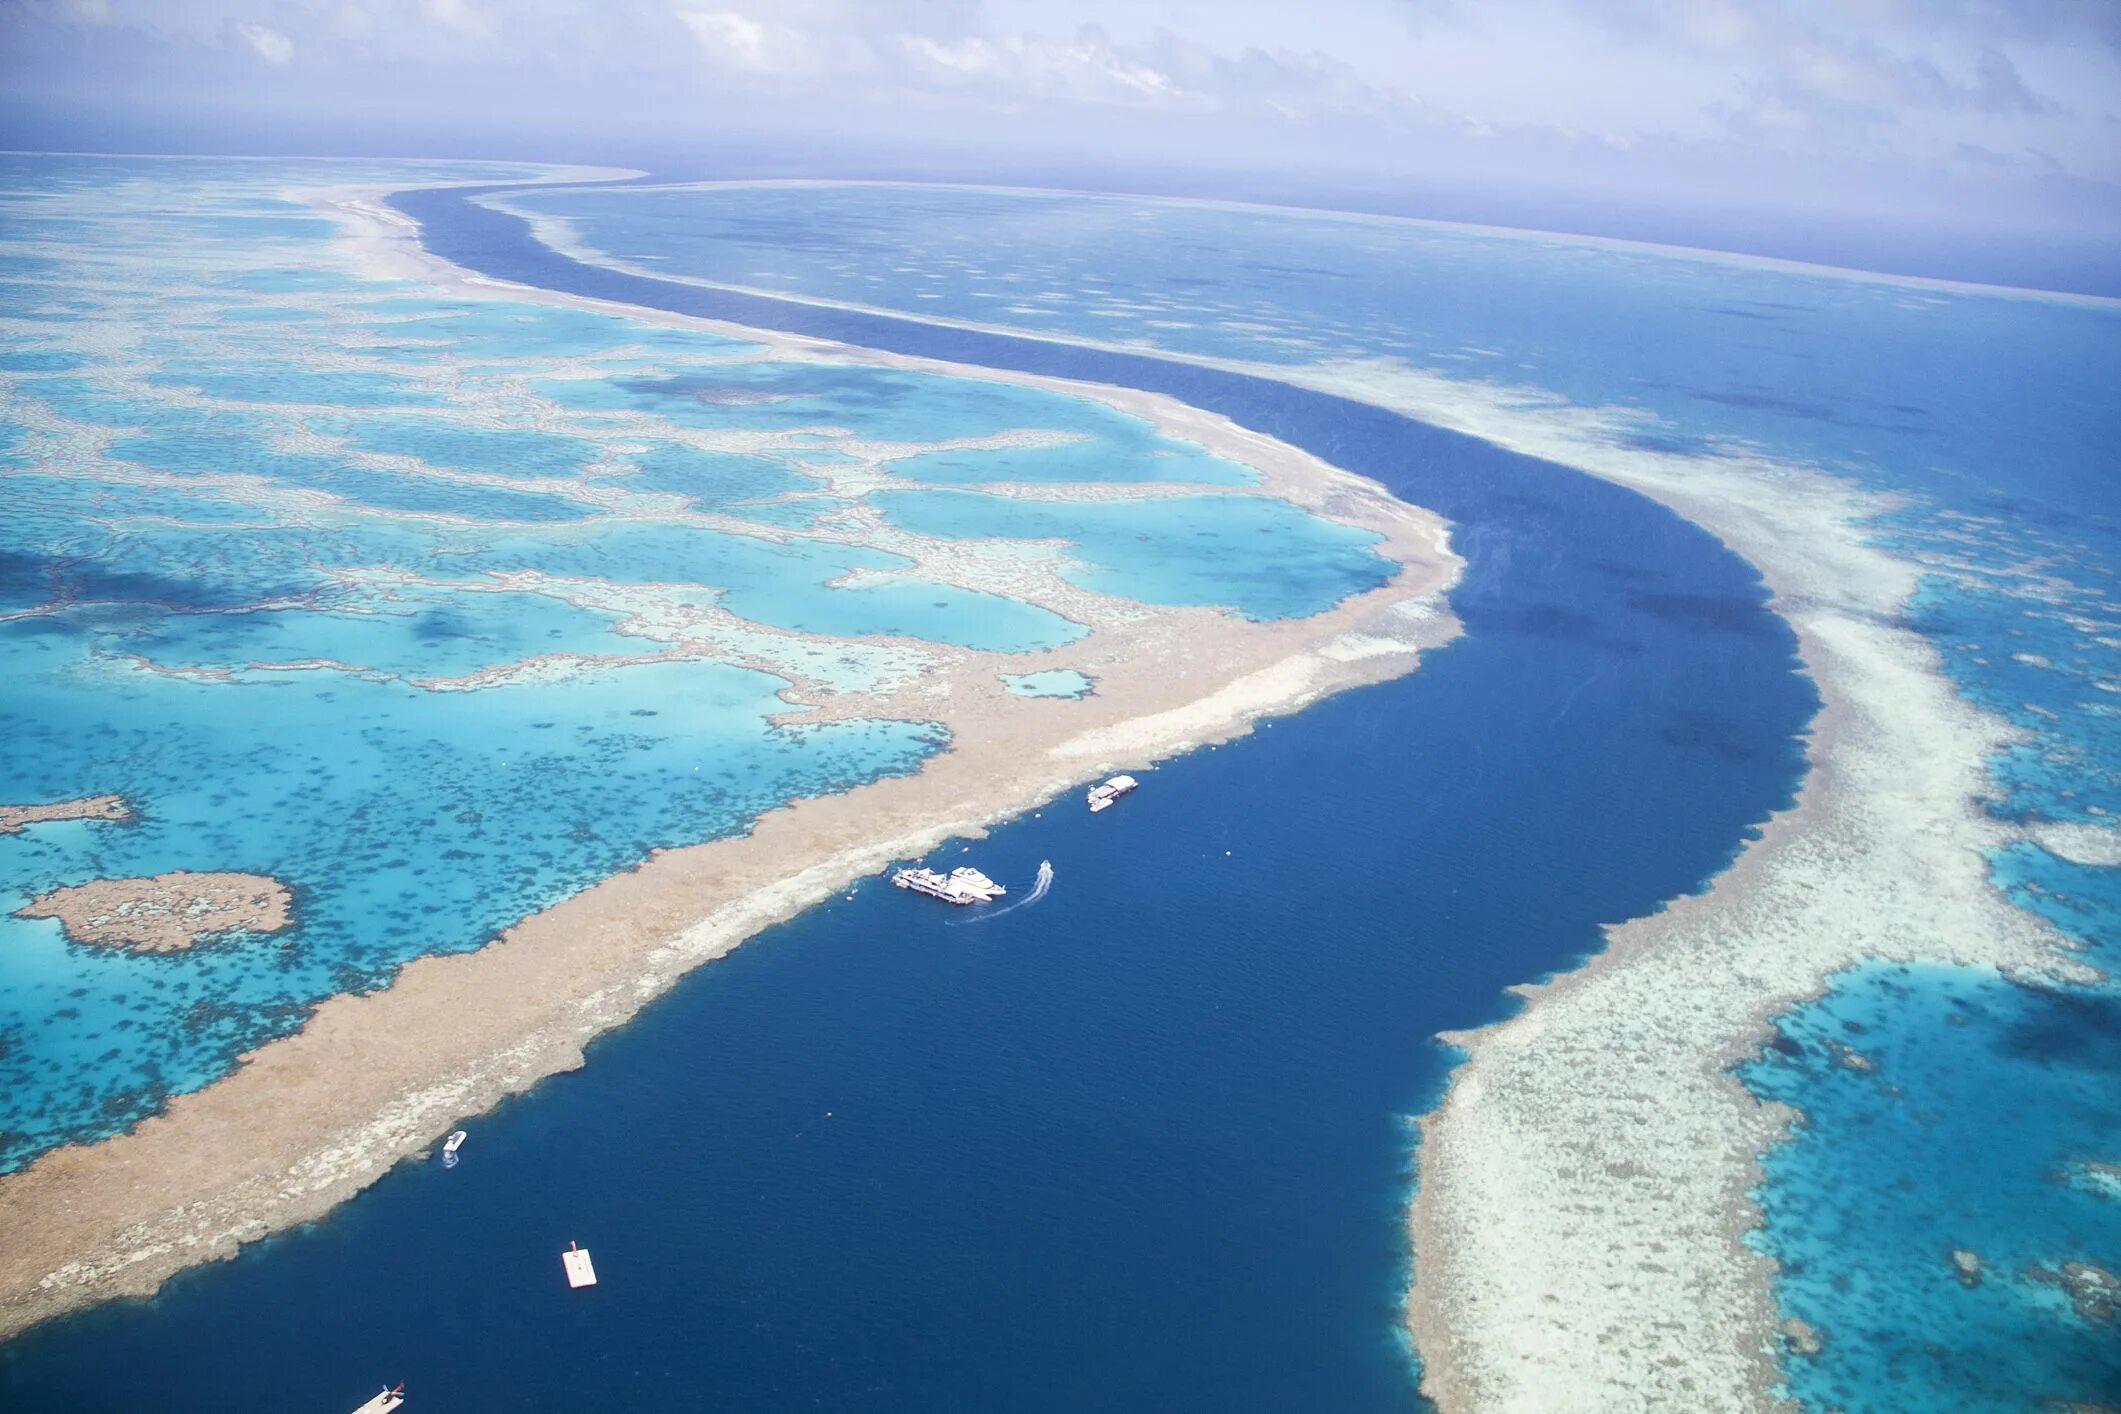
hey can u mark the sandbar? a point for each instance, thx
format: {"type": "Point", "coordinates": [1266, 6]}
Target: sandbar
{"type": "Point", "coordinates": [308, 1120]}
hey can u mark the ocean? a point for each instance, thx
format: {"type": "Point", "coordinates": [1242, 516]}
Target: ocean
{"type": "Point", "coordinates": [1988, 414]}
{"type": "Point", "coordinates": [1147, 1141]}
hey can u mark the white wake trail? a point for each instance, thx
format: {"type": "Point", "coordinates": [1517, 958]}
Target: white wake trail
{"type": "Point", "coordinates": [1038, 891]}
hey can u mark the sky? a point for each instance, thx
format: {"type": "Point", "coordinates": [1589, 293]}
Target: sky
{"type": "Point", "coordinates": [2000, 117]}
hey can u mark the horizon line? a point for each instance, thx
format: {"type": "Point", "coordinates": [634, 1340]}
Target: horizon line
{"type": "Point", "coordinates": [629, 179]}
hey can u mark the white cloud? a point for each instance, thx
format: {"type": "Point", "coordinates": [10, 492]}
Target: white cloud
{"type": "Point", "coordinates": [1087, 68]}
{"type": "Point", "coordinates": [267, 43]}
{"type": "Point", "coordinates": [352, 21]}
{"type": "Point", "coordinates": [733, 38]}
{"type": "Point", "coordinates": [461, 17]}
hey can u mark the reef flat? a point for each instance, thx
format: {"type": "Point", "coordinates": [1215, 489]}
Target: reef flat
{"type": "Point", "coordinates": [832, 580]}
{"type": "Point", "coordinates": [15, 818]}
{"type": "Point", "coordinates": [165, 913]}
{"type": "Point", "coordinates": [1597, 1142]}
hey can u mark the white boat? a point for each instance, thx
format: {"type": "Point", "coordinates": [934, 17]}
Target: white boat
{"type": "Point", "coordinates": [976, 883]}
{"type": "Point", "coordinates": [1102, 796]}
{"type": "Point", "coordinates": [960, 886]}
{"type": "Point", "coordinates": [575, 1261]}
{"type": "Point", "coordinates": [388, 1399]}
{"type": "Point", "coordinates": [449, 1149]}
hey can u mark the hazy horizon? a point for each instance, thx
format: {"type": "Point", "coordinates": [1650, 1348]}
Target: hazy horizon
{"type": "Point", "coordinates": [1945, 138]}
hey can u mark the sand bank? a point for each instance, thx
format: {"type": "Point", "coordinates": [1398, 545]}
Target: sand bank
{"type": "Point", "coordinates": [166, 912]}
{"type": "Point", "coordinates": [309, 1120]}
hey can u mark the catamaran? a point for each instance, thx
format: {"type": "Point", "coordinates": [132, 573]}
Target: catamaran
{"type": "Point", "coordinates": [1102, 796]}
{"type": "Point", "coordinates": [960, 886]}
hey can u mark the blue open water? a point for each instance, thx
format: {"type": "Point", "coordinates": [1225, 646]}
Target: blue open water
{"type": "Point", "coordinates": [1143, 1144]}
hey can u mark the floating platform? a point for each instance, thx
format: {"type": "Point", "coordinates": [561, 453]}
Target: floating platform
{"type": "Point", "coordinates": [576, 1262]}
{"type": "Point", "coordinates": [388, 1399]}
{"type": "Point", "coordinates": [1101, 797]}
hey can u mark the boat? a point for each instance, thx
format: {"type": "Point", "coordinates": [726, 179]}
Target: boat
{"type": "Point", "coordinates": [449, 1149]}
{"type": "Point", "coordinates": [960, 886]}
{"type": "Point", "coordinates": [575, 1262]}
{"type": "Point", "coordinates": [1102, 796]}
{"type": "Point", "coordinates": [388, 1399]}
{"type": "Point", "coordinates": [974, 882]}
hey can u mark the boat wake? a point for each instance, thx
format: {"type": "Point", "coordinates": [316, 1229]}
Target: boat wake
{"type": "Point", "coordinates": [1038, 891]}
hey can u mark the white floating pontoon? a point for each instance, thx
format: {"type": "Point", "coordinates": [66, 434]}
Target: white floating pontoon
{"type": "Point", "coordinates": [576, 1260]}
{"type": "Point", "coordinates": [1101, 797]}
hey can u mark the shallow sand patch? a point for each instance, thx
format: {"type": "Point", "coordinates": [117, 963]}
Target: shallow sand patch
{"type": "Point", "coordinates": [165, 912]}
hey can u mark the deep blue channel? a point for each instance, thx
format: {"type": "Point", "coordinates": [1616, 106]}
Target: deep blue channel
{"type": "Point", "coordinates": [1143, 1145]}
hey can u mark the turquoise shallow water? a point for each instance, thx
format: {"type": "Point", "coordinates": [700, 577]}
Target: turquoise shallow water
{"type": "Point", "coordinates": [1993, 415]}
{"type": "Point", "coordinates": [722, 481]}
{"type": "Point", "coordinates": [495, 451]}
{"type": "Point", "coordinates": [1128, 451]}
{"type": "Point", "coordinates": [258, 504]}
{"type": "Point", "coordinates": [1054, 682]}
{"type": "Point", "coordinates": [419, 634]}
{"type": "Point", "coordinates": [1264, 558]}
{"type": "Point", "coordinates": [1945, 1111]}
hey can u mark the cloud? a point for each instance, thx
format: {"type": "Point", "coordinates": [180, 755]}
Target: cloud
{"type": "Point", "coordinates": [932, 55]}
{"type": "Point", "coordinates": [732, 40]}
{"type": "Point", "coordinates": [1919, 96]}
{"type": "Point", "coordinates": [1025, 67]}
{"type": "Point", "coordinates": [460, 17]}
{"type": "Point", "coordinates": [267, 43]}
